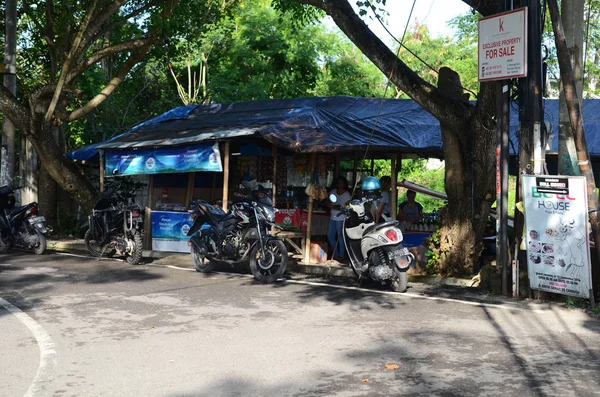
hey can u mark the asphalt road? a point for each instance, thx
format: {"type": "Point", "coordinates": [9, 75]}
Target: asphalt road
{"type": "Point", "coordinates": [74, 326]}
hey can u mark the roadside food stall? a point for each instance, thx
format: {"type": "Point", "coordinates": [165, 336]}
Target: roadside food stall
{"type": "Point", "coordinates": [294, 147]}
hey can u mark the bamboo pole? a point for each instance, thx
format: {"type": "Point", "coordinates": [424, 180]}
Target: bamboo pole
{"type": "Point", "coordinates": [311, 168]}
{"type": "Point", "coordinates": [102, 169]}
{"type": "Point", "coordinates": [576, 117]}
{"type": "Point", "coordinates": [148, 215]}
{"type": "Point", "coordinates": [394, 192]}
{"type": "Point", "coordinates": [354, 173]}
{"type": "Point", "coordinates": [226, 177]}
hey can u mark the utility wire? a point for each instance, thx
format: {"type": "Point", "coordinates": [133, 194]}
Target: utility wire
{"type": "Point", "coordinates": [387, 86]}
{"type": "Point", "coordinates": [401, 43]}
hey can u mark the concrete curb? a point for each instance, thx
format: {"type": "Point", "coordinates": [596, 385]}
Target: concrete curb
{"type": "Point", "coordinates": [78, 247]}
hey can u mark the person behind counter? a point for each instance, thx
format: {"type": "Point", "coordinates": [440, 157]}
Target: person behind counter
{"type": "Point", "coordinates": [382, 212]}
{"type": "Point", "coordinates": [410, 210]}
{"type": "Point", "coordinates": [336, 220]}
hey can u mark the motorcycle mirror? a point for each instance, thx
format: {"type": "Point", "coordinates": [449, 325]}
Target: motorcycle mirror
{"type": "Point", "coordinates": [115, 171]}
{"type": "Point", "coordinates": [332, 198]}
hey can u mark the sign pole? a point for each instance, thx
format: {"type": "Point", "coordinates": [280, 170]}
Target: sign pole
{"type": "Point", "coordinates": [503, 109]}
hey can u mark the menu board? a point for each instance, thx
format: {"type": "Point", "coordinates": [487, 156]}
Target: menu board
{"type": "Point", "coordinates": [558, 248]}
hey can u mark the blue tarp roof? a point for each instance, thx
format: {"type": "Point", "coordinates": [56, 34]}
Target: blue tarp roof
{"type": "Point", "coordinates": [318, 124]}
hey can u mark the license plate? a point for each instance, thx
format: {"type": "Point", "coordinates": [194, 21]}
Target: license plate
{"type": "Point", "coordinates": [398, 253]}
{"type": "Point", "coordinates": [37, 219]}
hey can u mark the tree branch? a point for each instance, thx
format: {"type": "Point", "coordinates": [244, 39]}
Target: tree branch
{"type": "Point", "coordinates": [13, 110]}
{"type": "Point", "coordinates": [71, 58]}
{"type": "Point", "coordinates": [133, 59]}
{"type": "Point", "coordinates": [485, 7]}
{"type": "Point", "coordinates": [106, 52]}
{"type": "Point", "coordinates": [447, 110]}
{"type": "Point", "coordinates": [113, 25]}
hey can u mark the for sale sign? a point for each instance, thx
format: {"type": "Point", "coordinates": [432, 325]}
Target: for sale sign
{"type": "Point", "coordinates": [558, 248]}
{"type": "Point", "coordinates": [503, 46]}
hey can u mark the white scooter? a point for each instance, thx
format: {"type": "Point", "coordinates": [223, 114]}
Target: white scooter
{"type": "Point", "coordinates": [375, 249]}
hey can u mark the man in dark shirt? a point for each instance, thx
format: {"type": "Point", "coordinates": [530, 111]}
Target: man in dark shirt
{"type": "Point", "coordinates": [410, 210]}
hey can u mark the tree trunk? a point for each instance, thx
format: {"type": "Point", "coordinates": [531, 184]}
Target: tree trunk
{"type": "Point", "coordinates": [64, 172]}
{"type": "Point", "coordinates": [47, 196]}
{"type": "Point", "coordinates": [7, 172]}
{"type": "Point", "coordinates": [469, 179]}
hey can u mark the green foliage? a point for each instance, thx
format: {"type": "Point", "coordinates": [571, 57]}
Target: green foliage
{"type": "Point", "coordinates": [415, 170]}
{"type": "Point", "coordinates": [433, 245]}
{"type": "Point", "coordinates": [125, 187]}
{"type": "Point", "coordinates": [459, 54]}
{"type": "Point", "coordinates": [596, 309]}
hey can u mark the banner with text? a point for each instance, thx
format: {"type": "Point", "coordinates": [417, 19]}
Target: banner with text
{"type": "Point", "coordinates": [502, 46]}
{"type": "Point", "coordinates": [190, 158]}
{"type": "Point", "coordinates": [558, 248]}
{"type": "Point", "coordinates": [169, 231]}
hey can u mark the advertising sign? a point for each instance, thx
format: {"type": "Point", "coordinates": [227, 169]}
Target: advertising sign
{"type": "Point", "coordinates": [190, 158]}
{"type": "Point", "coordinates": [502, 46]}
{"type": "Point", "coordinates": [169, 231]}
{"type": "Point", "coordinates": [558, 248]}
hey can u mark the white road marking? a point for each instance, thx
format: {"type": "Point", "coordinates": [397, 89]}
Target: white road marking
{"type": "Point", "coordinates": [48, 357]}
{"type": "Point", "coordinates": [397, 295]}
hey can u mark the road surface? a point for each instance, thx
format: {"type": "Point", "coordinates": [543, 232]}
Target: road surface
{"type": "Point", "coordinates": [74, 326]}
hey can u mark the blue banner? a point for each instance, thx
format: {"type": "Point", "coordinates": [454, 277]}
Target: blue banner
{"type": "Point", "coordinates": [190, 158]}
{"type": "Point", "coordinates": [169, 231]}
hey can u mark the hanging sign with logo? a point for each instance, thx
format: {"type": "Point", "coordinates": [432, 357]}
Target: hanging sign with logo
{"type": "Point", "coordinates": [165, 160]}
{"type": "Point", "coordinates": [558, 248]}
{"type": "Point", "coordinates": [502, 46]}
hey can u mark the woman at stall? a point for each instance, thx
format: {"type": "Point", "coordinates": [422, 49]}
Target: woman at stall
{"type": "Point", "coordinates": [336, 220]}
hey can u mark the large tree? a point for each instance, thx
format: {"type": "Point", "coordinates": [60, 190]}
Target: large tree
{"type": "Point", "coordinates": [63, 42]}
{"type": "Point", "coordinates": [467, 129]}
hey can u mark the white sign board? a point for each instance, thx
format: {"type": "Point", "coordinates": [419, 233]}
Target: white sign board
{"type": "Point", "coordinates": [558, 247]}
{"type": "Point", "coordinates": [503, 46]}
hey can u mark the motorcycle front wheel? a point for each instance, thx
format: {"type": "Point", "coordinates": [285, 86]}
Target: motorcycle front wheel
{"type": "Point", "coordinates": [269, 267]}
{"type": "Point", "coordinates": [136, 254]}
{"type": "Point", "coordinates": [41, 245]}
{"type": "Point", "coordinates": [400, 282]}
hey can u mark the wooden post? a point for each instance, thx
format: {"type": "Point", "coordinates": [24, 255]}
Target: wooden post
{"type": "Point", "coordinates": [372, 166]}
{"type": "Point", "coordinates": [148, 215]}
{"type": "Point", "coordinates": [336, 167]}
{"type": "Point", "coordinates": [189, 193]}
{"type": "Point", "coordinates": [101, 154]}
{"type": "Point", "coordinates": [394, 192]}
{"type": "Point", "coordinates": [274, 153]}
{"type": "Point", "coordinates": [354, 173]}
{"type": "Point", "coordinates": [226, 177]}
{"type": "Point", "coordinates": [313, 161]}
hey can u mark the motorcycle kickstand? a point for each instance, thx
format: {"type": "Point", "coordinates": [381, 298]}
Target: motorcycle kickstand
{"type": "Point", "coordinates": [102, 253]}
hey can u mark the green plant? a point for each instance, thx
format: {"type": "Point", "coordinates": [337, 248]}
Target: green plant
{"type": "Point", "coordinates": [125, 187]}
{"type": "Point", "coordinates": [569, 303]}
{"type": "Point", "coordinates": [596, 309]}
{"type": "Point", "coordinates": [433, 253]}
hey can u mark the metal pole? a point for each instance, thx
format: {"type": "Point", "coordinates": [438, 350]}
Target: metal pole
{"type": "Point", "coordinates": [10, 82]}
{"type": "Point", "coordinates": [503, 108]}
{"type": "Point", "coordinates": [576, 117]}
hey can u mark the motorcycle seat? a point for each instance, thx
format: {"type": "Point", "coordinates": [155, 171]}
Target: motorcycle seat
{"type": "Point", "coordinates": [214, 212]}
{"type": "Point", "coordinates": [378, 226]}
{"type": "Point", "coordinates": [18, 210]}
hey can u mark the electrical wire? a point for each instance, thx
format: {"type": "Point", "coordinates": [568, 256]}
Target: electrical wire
{"type": "Point", "coordinates": [387, 86]}
{"type": "Point", "coordinates": [401, 44]}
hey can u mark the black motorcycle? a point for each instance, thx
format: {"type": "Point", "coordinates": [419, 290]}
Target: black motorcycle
{"type": "Point", "coordinates": [115, 229]}
{"type": "Point", "coordinates": [22, 226]}
{"type": "Point", "coordinates": [237, 234]}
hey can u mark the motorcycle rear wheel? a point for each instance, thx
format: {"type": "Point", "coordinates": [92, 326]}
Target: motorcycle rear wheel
{"type": "Point", "coordinates": [400, 282]}
{"type": "Point", "coordinates": [202, 265]}
{"type": "Point", "coordinates": [271, 268]}
{"type": "Point", "coordinates": [40, 248]}
{"type": "Point", "coordinates": [94, 248]}
{"type": "Point", "coordinates": [5, 245]}
{"type": "Point", "coordinates": [136, 255]}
